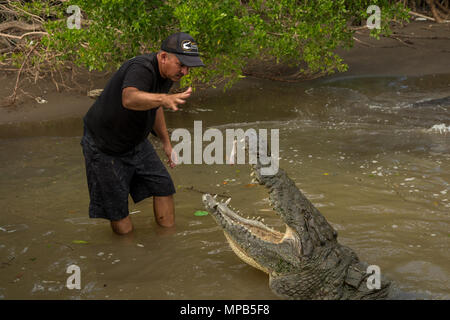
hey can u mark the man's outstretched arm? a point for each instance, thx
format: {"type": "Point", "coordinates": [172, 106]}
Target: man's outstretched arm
{"type": "Point", "coordinates": [135, 99]}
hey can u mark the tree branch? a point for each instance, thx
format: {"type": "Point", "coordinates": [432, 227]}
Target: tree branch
{"type": "Point", "coordinates": [14, 94]}
{"type": "Point", "coordinates": [24, 35]}
{"type": "Point", "coordinates": [27, 13]}
{"type": "Point", "coordinates": [19, 25]}
{"type": "Point", "coordinates": [421, 16]}
{"type": "Point", "coordinates": [434, 11]}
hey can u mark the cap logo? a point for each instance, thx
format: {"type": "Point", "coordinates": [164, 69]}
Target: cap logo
{"type": "Point", "coordinates": [188, 45]}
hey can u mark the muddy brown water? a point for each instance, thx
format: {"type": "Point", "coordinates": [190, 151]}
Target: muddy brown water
{"type": "Point", "coordinates": [359, 148]}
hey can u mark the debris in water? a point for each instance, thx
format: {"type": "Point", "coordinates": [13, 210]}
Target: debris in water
{"type": "Point", "coordinates": [40, 100]}
{"type": "Point", "coordinates": [80, 242]}
{"type": "Point", "coordinates": [200, 213]}
{"type": "Point", "coordinates": [441, 128]}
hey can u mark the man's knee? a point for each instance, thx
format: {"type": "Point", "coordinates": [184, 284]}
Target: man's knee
{"type": "Point", "coordinates": [164, 211]}
{"type": "Point", "coordinates": [165, 218]}
{"type": "Point", "coordinates": [123, 226]}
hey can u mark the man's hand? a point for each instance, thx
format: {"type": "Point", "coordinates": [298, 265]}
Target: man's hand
{"type": "Point", "coordinates": [171, 155]}
{"type": "Point", "coordinates": [171, 101]}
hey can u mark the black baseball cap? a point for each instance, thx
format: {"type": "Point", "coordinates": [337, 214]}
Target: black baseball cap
{"type": "Point", "coordinates": [184, 47]}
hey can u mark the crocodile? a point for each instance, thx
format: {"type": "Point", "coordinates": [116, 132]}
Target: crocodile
{"type": "Point", "coordinates": [304, 262]}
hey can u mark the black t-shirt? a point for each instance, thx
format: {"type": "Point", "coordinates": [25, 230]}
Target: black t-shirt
{"type": "Point", "coordinates": [116, 129]}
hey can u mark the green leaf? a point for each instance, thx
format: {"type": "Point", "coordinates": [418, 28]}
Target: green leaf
{"type": "Point", "coordinates": [200, 213]}
{"type": "Point", "coordinates": [80, 242]}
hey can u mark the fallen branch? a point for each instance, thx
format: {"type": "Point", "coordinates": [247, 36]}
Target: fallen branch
{"type": "Point", "coordinates": [24, 35]}
{"type": "Point", "coordinates": [421, 15]}
{"type": "Point", "coordinates": [426, 17]}
{"type": "Point", "coordinates": [19, 25]}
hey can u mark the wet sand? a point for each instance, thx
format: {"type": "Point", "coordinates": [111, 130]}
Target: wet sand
{"type": "Point", "coordinates": [423, 48]}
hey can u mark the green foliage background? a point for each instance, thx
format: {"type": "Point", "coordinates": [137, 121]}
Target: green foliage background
{"type": "Point", "coordinates": [229, 32]}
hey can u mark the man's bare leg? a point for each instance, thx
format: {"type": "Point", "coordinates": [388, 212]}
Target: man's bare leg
{"type": "Point", "coordinates": [164, 211]}
{"type": "Point", "coordinates": [122, 226]}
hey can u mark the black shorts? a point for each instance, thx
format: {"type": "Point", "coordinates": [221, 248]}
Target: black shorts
{"type": "Point", "coordinates": [138, 172]}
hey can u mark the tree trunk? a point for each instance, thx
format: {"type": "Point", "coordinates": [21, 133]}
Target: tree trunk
{"type": "Point", "coordinates": [434, 11]}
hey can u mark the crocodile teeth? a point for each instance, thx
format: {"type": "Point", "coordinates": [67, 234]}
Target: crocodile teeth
{"type": "Point", "coordinates": [228, 201]}
{"type": "Point", "coordinates": [215, 196]}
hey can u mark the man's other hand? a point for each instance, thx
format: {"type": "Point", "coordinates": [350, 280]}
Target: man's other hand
{"type": "Point", "coordinates": [171, 155]}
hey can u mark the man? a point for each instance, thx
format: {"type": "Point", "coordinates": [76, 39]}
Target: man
{"type": "Point", "coordinates": [119, 158]}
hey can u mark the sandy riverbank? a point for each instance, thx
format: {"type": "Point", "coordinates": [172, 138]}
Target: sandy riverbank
{"type": "Point", "coordinates": [419, 48]}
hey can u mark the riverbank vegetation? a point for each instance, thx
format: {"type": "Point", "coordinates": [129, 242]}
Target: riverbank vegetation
{"type": "Point", "coordinates": [42, 39]}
